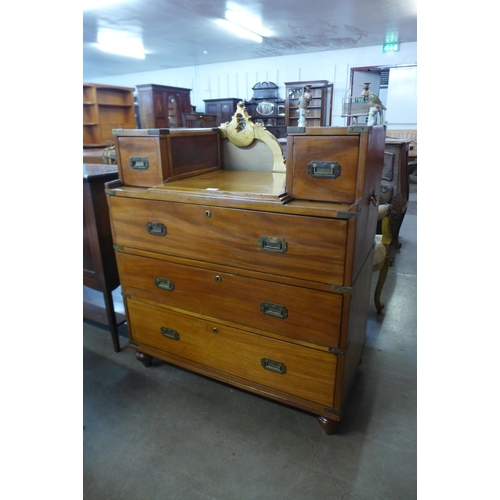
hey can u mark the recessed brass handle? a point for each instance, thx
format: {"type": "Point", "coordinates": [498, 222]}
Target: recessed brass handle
{"type": "Point", "coordinates": [323, 169]}
{"type": "Point", "coordinates": [165, 284]}
{"type": "Point", "coordinates": [273, 366]}
{"type": "Point", "coordinates": [138, 163]}
{"type": "Point", "coordinates": [156, 228]}
{"type": "Point", "coordinates": [274, 310]}
{"type": "Point", "coordinates": [169, 334]}
{"type": "Point", "coordinates": [272, 244]}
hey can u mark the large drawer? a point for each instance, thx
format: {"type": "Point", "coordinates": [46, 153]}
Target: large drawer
{"type": "Point", "coordinates": [297, 370]}
{"type": "Point", "coordinates": [310, 248]}
{"type": "Point", "coordinates": [301, 313]}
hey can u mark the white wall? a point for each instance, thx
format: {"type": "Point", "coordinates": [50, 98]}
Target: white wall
{"type": "Point", "coordinates": [236, 79]}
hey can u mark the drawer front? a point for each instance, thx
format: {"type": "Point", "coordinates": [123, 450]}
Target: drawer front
{"type": "Point", "coordinates": [143, 161]}
{"type": "Point", "coordinates": [147, 161]}
{"type": "Point", "coordinates": [325, 168]}
{"type": "Point", "coordinates": [297, 370]}
{"type": "Point", "coordinates": [309, 248]}
{"type": "Point", "coordinates": [310, 315]}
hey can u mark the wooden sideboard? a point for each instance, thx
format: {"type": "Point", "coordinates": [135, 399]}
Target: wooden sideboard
{"type": "Point", "coordinates": [223, 108]}
{"type": "Point", "coordinates": [161, 106]}
{"type": "Point", "coordinates": [245, 277]}
{"type": "Point", "coordinates": [99, 261]}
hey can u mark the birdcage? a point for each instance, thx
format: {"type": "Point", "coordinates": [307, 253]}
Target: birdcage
{"type": "Point", "coordinates": [354, 106]}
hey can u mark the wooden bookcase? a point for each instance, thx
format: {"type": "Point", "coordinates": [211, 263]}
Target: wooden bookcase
{"type": "Point", "coordinates": [319, 109]}
{"type": "Point", "coordinates": [104, 108]}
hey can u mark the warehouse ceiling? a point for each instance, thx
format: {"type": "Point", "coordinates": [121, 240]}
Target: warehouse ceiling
{"type": "Point", "coordinates": [179, 33]}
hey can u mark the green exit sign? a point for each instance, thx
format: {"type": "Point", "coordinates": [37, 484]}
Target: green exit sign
{"type": "Point", "coordinates": [390, 47]}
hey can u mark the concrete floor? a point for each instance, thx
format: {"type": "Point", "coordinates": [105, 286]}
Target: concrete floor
{"type": "Point", "coordinates": [163, 433]}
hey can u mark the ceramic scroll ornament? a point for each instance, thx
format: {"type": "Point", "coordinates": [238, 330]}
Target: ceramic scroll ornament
{"type": "Point", "coordinates": [304, 101]}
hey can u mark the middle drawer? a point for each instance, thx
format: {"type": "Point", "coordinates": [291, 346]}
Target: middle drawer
{"type": "Point", "coordinates": [301, 313]}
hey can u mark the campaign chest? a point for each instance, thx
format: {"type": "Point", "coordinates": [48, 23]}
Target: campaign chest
{"type": "Point", "coordinates": [227, 275]}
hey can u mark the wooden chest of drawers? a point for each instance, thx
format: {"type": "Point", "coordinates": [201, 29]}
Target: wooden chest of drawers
{"type": "Point", "coordinates": [227, 276]}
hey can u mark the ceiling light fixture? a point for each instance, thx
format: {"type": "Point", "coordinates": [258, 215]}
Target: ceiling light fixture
{"type": "Point", "coordinates": [121, 43]}
{"type": "Point", "coordinates": [97, 4]}
{"type": "Point", "coordinates": [239, 30]}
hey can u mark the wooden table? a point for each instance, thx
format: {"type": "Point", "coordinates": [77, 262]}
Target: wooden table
{"type": "Point", "coordinates": [99, 262]}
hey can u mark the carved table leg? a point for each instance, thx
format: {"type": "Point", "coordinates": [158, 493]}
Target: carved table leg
{"type": "Point", "coordinates": [397, 210]}
{"type": "Point", "coordinates": [145, 359]}
{"type": "Point", "coordinates": [380, 283]}
{"type": "Point", "coordinates": [329, 426]}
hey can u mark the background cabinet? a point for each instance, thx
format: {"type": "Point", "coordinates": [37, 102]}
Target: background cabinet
{"type": "Point", "coordinates": [99, 260]}
{"type": "Point", "coordinates": [223, 108]}
{"type": "Point", "coordinates": [105, 108]}
{"type": "Point", "coordinates": [161, 106]}
{"type": "Point", "coordinates": [319, 109]}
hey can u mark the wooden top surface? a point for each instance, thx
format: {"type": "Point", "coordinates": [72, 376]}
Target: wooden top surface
{"type": "Point", "coordinates": [235, 189]}
{"type": "Point", "coordinates": [225, 182]}
{"type": "Point", "coordinates": [91, 170]}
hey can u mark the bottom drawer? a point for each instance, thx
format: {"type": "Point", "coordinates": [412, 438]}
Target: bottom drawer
{"type": "Point", "coordinates": [301, 371]}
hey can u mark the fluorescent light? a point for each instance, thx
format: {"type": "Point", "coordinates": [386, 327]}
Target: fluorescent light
{"type": "Point", "coordinates": [121, 43]}
{"type": "Point", "coordinates": [253, 22]}
{"type": "Point", "coordinates": [97, 4]}
{"type": "Point", "coordinates": [239, 30]}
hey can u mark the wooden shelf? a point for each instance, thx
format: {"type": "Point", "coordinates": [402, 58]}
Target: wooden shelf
{"type": "Point", "coordinates": [106, 107]}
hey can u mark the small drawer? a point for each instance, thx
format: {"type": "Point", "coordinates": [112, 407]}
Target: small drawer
{"type": "Point", "coordinates": [309, 248]}
{"type": "Point", "coordinates": [299, 313]}
{"type": "Point", "coordinates": [335, 164]}
{"type": "Point", "coordinates": [303, 372]}
{"type": "Point", "coordinates": [149, 157]}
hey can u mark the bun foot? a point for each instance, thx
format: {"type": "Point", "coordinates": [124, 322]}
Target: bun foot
{"type": "Point", "coordinates": [145, 359]}
{"type": "Point", "coordinates": [329, 426]}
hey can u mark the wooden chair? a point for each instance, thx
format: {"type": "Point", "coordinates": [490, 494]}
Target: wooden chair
{"type": "Point", "coordinates": [198, 120]}
{"type": "Point", "coordinates": [381, 257]}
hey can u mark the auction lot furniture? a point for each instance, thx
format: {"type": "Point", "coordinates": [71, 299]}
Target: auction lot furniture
{"type": "Point", "coordinates": [260, 279]}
